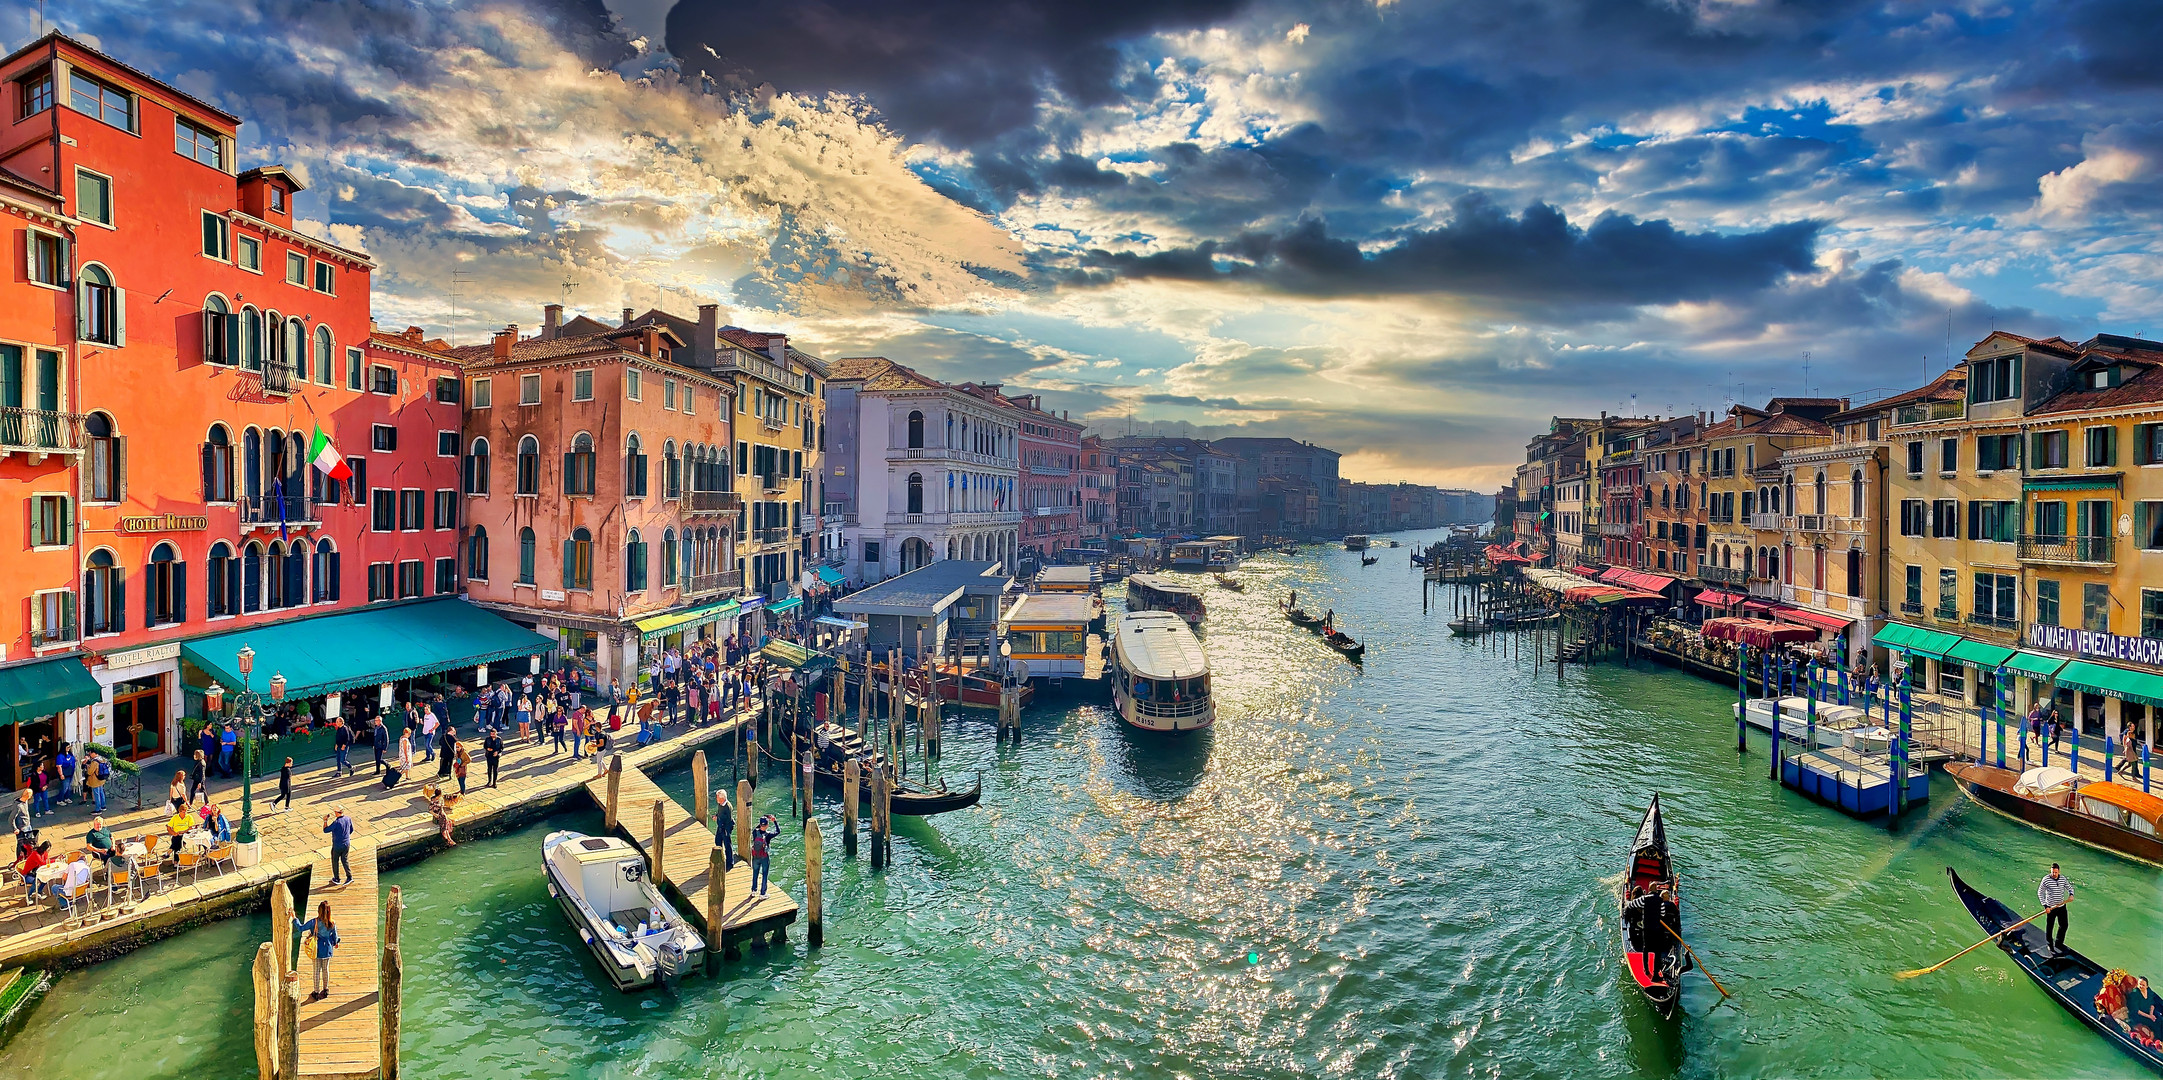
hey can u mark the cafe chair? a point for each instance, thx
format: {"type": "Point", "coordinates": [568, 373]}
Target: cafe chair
{"type": "Point", "coordinates": [225, 855]}
{"type": "Point", "coordinates": [118, 878]}
{"type": "Point", "coordinates": [191, 863]}
{"type": "Point", "coordinates": [74, 903]}
{"type": "Point", "coordinates": [151, 872]}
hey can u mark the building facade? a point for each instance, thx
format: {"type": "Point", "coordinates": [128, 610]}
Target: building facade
{"type": "Point", "coordinates": [1051, 482]}
{"type": "Point", "coordinates": [1099, 482]}
{"type": "Point", "coordinates": [780, 438]}
{"type": "Point", "coordinates": [1301, 462]}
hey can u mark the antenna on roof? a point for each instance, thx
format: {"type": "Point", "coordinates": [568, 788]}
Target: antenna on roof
{"type": "Point", "coordinates": [458, 282]}
{"type": "Point", "coordinates": [567, 287]}
{"type": "Point", "coordinates": [1806, 373]}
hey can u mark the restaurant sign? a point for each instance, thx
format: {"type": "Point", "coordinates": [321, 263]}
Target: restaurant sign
{"type": "Point", "coordinates": [163, 523]}
{"type": "Point", "coordinates": [2069, 639]}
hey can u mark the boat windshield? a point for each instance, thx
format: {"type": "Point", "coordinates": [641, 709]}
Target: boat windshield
{"type": "Point", "coordinates": [1172, 690]}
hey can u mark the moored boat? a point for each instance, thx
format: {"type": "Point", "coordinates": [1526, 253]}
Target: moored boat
{"type": "Point", "coordinates": [1160, 677]}
{"type": "Point", "coordinates": [1230, 582]}
{"type": "Point", "coordinates": [1469, 626]}
{"type": "Point", "coordinates": [2088, 990]}
{"type": "Point", "coordinates": [1369, 560]}
{"type": "Point", "coordinates": [603, 887]}
{"type": "Point", "coordinates": [2118, 818]}
{"type": "Point", "coordinates": [1155, 592]}
{"type": "Point", "coordinates": [1652, 916]}
{"type": "Point", "coordinates": [838, 744]}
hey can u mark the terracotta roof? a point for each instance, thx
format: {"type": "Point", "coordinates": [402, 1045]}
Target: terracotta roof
{"type": "Point", "coordinates": [1789, 424]}
{"type": "Point", "coordinates": [583, 326]}
{"type": "Point", "coordinates": [2050, 344]}
{"type": "Point", "coordinates": [879, 373]}
{"type": "Point", "coordinates": [2144, 388]}
{"type": "Point", "coordinates": [1950, 385]}
{"type": "Point", "coordinates": [556, 348]}
{"type": "Point", "coordinates": [749, 339]}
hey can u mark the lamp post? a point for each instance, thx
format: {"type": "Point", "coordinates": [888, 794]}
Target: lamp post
{"type": "Point", "coordinates": [248, 709]}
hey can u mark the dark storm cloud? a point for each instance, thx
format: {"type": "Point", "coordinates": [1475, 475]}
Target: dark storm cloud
{"type": "Point", "coordinates": [1536, 257]}
{"type": "Point", "coordinates": [961, 70]}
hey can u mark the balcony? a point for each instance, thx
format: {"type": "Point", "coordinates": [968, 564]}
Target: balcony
{"type": "Point", "coordinates": [39, 432]}
{"type": "Point", "coordinates": [1614, 528]}
{"type": "Point", "coordinates": [962, 517]}
{"type": "Point", "coordinates": [277, 378]}
{"type": "Point", "coordinates": [1946, 613]}
{"type": "Point", "coordinates": [1911, 607]}
{"type": "Point", "coordinates": [943, 453]}
{"type": "Point", "coordinates": [1048, 470]}
{"type": "Point", "coordinates": [773, 483]}
{"type": "Point", "coordinates": [1724, 575]}
{"type": "Point", "coordinates": [698, 585]}
{"type": "Point", "coordinates": [772, 534]}
{"type": "Point", "coordinates": [1810, 523]}
{"type": "Point", "coordinates": [1766, 521]}
{"type": "Point", "coordinates": [271, 511]}
{"type": "Point", "coordinates": [711, 502]}
{"type": "Point", "coordinates": [1053, 511]}
{"type": "Point", "coordinates": [2067, 550]}
{"type": "Point", "coordinates": [2001, 624]}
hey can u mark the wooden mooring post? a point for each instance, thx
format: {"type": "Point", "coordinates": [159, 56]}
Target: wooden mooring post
{"type": "Point", "coordinates": [660, 839]}
{"type": "Point", "coordinates": [814, 859]}
{"type": "Point", "coordinates": [698, 788]}
{"type": "Point", "coordinates": [289, 1024]}
{"type": "Point", "coordinates": [615, 782]}
{"type": "Point", "coordinates": [743, 818]}
{"type": "Point", "coordinates": [851, 777]}
{"type": "Point", "coordinates": [267, 985]}
{"type": "Point", "coordinates": [717, 874]}
{"type": "Point", "coordinates": [878, 819]}
{"type": "Point", "coordinates": [391, 982]}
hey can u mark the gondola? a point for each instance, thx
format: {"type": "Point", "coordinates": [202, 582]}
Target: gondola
{"type": "Point", "coordinates": [1230, 582]}
{"type": "Point", "coordinates": [1298, 615]}
{"type": "Point", "coordinates": [1369, 560]}
{"type": "Point", "coordinates": [909, 799]}
{"type": "Point", "coordinates": [1652, 916]}
{"type": "Point", "coordinates": [2079, 984]}
{"type": "Point", "coordinates": [1418, 559]}
{"type": "Point", "coordinates": [1343, 643]}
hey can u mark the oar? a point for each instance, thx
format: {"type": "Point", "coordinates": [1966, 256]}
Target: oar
{"type": "Point", "coordinates": [1693, 959]}
{"type": "Point", "coordinates": [1969, 949]}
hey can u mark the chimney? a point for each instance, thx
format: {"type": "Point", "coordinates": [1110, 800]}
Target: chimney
{"type": "Point", "coordinates": [551, 321]}
{"type": "Point", "coordinates": [703, 345]}
{"type": "Point", "coordinates": [626, 318]}
{"type": "Point", "coordinates": [505, 338]}
{"type": "Point", "coordinates": [777, 346]}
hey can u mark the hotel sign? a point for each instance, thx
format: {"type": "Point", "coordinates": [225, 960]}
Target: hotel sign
{"type": "Point", "coordinates": [163, 523]}
{"type": "Point", "coordinates": [2067, 639]}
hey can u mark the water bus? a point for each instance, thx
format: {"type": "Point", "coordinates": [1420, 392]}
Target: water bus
{"type": "Point", "coordinates": [1218, 553]}
{"type": "Point", "coordinates": [1160, 679]}
{"type": "Point", "coordinates": [1355, 542]}
{"type": "Point", "coordinates": [1156, 592]}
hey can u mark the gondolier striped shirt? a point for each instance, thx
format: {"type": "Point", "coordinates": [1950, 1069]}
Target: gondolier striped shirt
{"type": "Point", "coordinates": [2054, 891]}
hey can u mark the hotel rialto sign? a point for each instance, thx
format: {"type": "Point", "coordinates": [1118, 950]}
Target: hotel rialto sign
{"type": "Point", "coordinates": [164, 523]}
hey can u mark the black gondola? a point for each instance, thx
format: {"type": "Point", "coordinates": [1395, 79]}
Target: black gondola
{"type": "Point", "coordinates": [909, 799]}
{"type": "Point", "coordinates": [1369, 560]}
{"type": "Point", "coordinates": [1652, 916]}
{"type": "Point", "coordinates": [1343, 643]}
{"type": "Point", "coordinates": [1298, 615]}
{"type": "Point", "coordinates": [2085, 988]}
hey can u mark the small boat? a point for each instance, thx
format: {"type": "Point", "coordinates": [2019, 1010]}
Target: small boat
{"type": "Point", "coordinates": [1652, 916]}
{"type": "Point", "coordinates": [2085, 988]}
{"type": "Point", "coordinates": [602, 885]}
{"type": "Point", "coordinates": [1469, 626]}
{"type": "Point", "coordinates": [1160, 676]}
{"type": "Point", "coordinates": [1369, 560]}
{"type": "Point", "coordinates": [909, 798]}
{"type": "Point", "coordinates": [1355, 542]}
{"type": "Point", "coordinates": [975, 688]}
{"type": "Point", "coordinates": [2118, 818]}
{"type": "Point", "coordinates": [1324, 624]}
{"type": "Point", "coordinates": [1418, 559]}
{"type": "Point", "coordinates": [1340, 641]}
{"type": "Point", "coordinates": [1394, 543]}
{"type": "Point", "coordinates": [1230, 582]}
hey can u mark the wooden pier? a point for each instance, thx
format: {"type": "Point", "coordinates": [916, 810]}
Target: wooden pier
{"type": "Point", "coordinates": [341, 1036]}
{"type": "Point", "coordinates": [685, 857]}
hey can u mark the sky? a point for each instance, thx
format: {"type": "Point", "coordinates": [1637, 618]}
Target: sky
{"type": "Point", "coordinates": [1410, 230]}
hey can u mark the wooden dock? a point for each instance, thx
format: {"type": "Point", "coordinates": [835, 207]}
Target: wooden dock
{"type": "Point", "coordinates": [341, 1036]}
{"type": "Point", "coordinates": [687, 858]}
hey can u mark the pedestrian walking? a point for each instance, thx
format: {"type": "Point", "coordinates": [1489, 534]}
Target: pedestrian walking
{"type": "Point", "coordinates": [446, 739]}
{"type": "Point", "coordinates": [96, 771]}
{"type": "Point", "coordinates": [428, 736]}
{"type": "Point", "coordinates": [326, 945]}
{"type": "Point", "coordinates": [2055, 892]}
{"type": "Point", "coordinates": [492, 751]}
{"type": "Point", "coordinates": [199, 777]}
{"type": "Point", "coordinates": [762, 837]}
{"type": "Point", "coordinates": [379, 738]}
{"type": "Point", "coordinates": [176, 793]}
{"type": "Point", "coordinates": [340, 828]}
{"type": "Point", "coordinates": [341, 745]}
{"type": "Point", "coordinates": [285, 785]}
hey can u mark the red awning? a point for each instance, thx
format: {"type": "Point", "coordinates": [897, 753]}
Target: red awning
{"type": "Point", "coordinates": [1714, 598]}
{"type": "Point", "coordinates": [1586, 571]}
{"type": "Point", "coordinates": [1758, 605]}
{"type": "Point", "coordinates": [1637, 579]}
{"type": "Point", "coordinates": [1807, 617]}
{"type": "Point", "coordinates": [1756, 633]}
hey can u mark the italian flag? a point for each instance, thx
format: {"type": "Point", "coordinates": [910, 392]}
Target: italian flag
{"type": "Point", "coordinates": [324, 456]}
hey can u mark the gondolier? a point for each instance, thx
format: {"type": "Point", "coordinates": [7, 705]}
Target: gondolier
{"type": "Point", "coordinates": [2054, 891]}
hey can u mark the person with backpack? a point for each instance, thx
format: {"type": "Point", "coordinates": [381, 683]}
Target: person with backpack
{"type": "Point", "coordinates": [96, 771]}
{"type": "Point", "coordinates": [326, 944]}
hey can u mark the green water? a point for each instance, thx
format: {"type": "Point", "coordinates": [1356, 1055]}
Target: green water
{"type": "Point", "coordinates": [1401, 871]}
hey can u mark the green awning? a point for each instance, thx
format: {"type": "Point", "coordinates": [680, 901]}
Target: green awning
{"type": "Point", "coordinates": [655, 627]}
{"type": "Point", "coordinates": [2035, 665]}
{"type": "Point", "coordinates": [2091, 482]}
{"type": "Point", "coordinates": [786, 606]}
{"type": "Point", "coordinates": [2125, 684]}
{"type": "Point", "coordinates": [1920, 640]}
{"type": "Point", "coordinates": [44, 687]}
{"type": "Point", "coordinates": [829, 575]}
{"type": "Point", "coordinates": [362, 648]}
{"type": "Point", "coordinates": [788, 654]}
{"type": "Point", "coordinates": [1980, 653]}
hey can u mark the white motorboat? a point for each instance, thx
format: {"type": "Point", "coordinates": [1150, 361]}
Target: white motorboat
{"type": "Point", "coordinates": [602, 885]}
{"type": "Point", "coordinates": [1837, 725]}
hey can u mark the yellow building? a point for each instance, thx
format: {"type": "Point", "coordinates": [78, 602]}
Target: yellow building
{"type": "Point", "coordinates": [1832, 537]}
{"type": "Point", "coordinates": [1743, 494]}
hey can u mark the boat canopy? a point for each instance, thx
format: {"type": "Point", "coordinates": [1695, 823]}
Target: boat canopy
{"type": "Point", "coordinates": [2048, 780]}
{"type": "Point", "coordinates": [1158, 645]}
{"type": "Point", "coordinates": [2131, 807]}
{"type": "Point", "coordinates": [1756, 633]}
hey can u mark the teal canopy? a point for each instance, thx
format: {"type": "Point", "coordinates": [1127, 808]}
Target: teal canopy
{"type": "Point", "coordinates": [829, 575]}
{"type": "Point", "coordinates": [44, 687]}
{"type": "Point", "coordinates": [362, 648]}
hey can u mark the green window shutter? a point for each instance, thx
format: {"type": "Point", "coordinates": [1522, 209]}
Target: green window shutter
{"type": "Point", "coordinates": [570, 551]}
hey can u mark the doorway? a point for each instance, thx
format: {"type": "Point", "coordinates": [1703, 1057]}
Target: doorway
{"type": "Point", "coordinates": [139, 718]}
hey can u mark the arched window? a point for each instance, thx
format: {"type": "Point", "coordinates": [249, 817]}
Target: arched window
{"type": "Point", "coordinates": [634, 468]}
{"type": "Point", "coordinates": [251, 464]}
{"type": "Point", "coordinates": [325, 573]}
{"type": "Point", "coordinates": [1855, 504]}
{"type": "Point", "coordinates": [916, 493]}
{"type": "Point", "coordinates": [107, 464]}
{"type": "Point", "coordinates": [221, 332]}
{"type": "Point", "coordinates": [218, 465]}
{"type": "Point", "coordinates": [251, 577]}
{"type": "Point", "coordinates": [916, 430]}
{"type": "Point", "coordinates": [1820, 506]}
{"type": "Point", "coordinates": [578, 560]}
{"type": "Point", "coordinates": [1664, 493]}
{"type": "Point", "coordinates": [101, 309]}
{"type": "Point", "coordinates": [325, 355]}
{"type": "Point", "coordinates": [296, 347]}
{"type": "Point", "coordinates": [578, 466]}
{"type": "Point", "coordinates": [671, 477]}
{"type": "Point", "coordinates": [295, 572]}
{"type": "Point", "coordinates": [222, 582]}
{"type": "Point", "coordinates": [165, 597]}
{"type": "Point", "coordinates": [525, 556]}
{"type": "Point", "coordinates": [634, 563]}
{"type": "Point", "coordinates": [105, 594]}
{"type": "Point", "coordinates": [529, 466]}
{"type": "Point", "coordinates": [477, 467]}
{"type": "Point", "coordinates": [668, 558]}
{"type": "Point", "coordinates": [477, 554]}
{"type": "Point", "coordinates": [251, 338]}
{"type": "Point", "coordinates": [275, 595]}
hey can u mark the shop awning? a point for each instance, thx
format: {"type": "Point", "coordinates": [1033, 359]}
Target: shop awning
{"type": "Point", "coordinates": [2034, 664]}
{"type": "Point", "coordinates": [786, 606]}
{"type": "Point", "coordinates": [1715, 598]}
{"type": "Point", "coordinates": [362, 648]}
{"type": "Point", "coordinates": [2126, 684]}
{"type": "Point", "coordinates": [829, 575]}
{"type": "Point", "coordinates": [2088, 482]}
{"type": "Point", "coordinates": [1982, 654]}
{"type": "Point", "coordinates": [655, 627]}
{"type": "Point", "coordinates": [1586, 571]}
{"type": "Point", "coordinates": [1922, 641]}
{"type": "Point", "coordinates": [840, 624]}
{"type": "Point", "coordinates": [1807, 617]}
{"type": "Point", "coordinates": [44, 687]}
{"type": "Point", "coordinates": [1756, 633]}
{"type": "Point", "coordinates": [1637, 579]}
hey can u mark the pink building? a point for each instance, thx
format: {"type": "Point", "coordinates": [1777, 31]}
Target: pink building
{"type": "Point", "coordinates": [1051, 494]}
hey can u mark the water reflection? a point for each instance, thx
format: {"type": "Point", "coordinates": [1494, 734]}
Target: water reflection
{"type": "Point", "coordinates": [1154, 765]}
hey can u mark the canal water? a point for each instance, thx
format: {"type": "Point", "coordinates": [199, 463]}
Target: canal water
{"type": "Point", "coordinates": [1400, 870]}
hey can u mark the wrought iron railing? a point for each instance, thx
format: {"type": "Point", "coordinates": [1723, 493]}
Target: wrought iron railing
{"type": "Point", "coordinates": [40, 430]}
{"type": "Point", "coordinates": [2066, 549]}
{"type": "Point", "coordinates": [709, 583]}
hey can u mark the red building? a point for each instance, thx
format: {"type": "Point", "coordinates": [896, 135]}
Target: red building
{"type": "Point", "coordinates": [202, 341]}
{"type": "Point", "coordinates": [1051, 494]}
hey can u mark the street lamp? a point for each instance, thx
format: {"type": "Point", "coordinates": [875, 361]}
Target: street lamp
{"type": "Point", "coordinates": [248, 709]}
